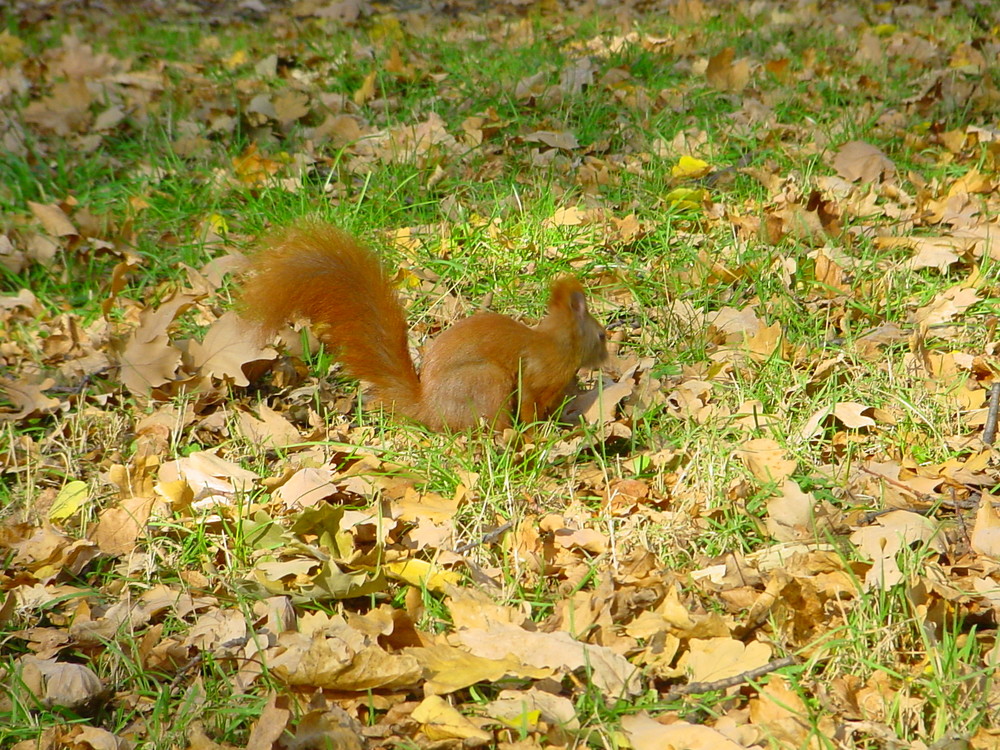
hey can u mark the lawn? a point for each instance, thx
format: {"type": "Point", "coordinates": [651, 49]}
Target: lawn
{"type": "Point", "coordinates": [766, 521]}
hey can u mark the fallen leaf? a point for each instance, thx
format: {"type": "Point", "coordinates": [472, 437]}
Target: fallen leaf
{"type": "Point", "coordinates": [53, 219]}
{"type": "Point", "coordinates": [645, 733]}
{"type": "Point", "coordinates": [441, 722]}
{"type": "Point", "coordinates": [726, 75]}
{"type": "Point", "coordinates": [766, 460]}
{"type": "Point", "coordinates": [857, 161]}
{"type": "Point", "coordinates": [73, 496]}
{"type": "Point", "coordinates": [56, 683]}
{"type": "Point", "coordinates": [985, 538]}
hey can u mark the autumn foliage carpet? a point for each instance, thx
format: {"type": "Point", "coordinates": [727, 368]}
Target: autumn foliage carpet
{"type": "Point", "coordinates": [767, 522]}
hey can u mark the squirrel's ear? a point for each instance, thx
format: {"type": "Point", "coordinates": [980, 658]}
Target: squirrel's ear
{"type": "Point", "coordinates": [567, 293]}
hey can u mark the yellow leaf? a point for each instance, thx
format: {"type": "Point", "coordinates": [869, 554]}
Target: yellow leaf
{"type": "Point", "coordinates": [387, 26]}
{"type": "Point", "coordinates": [885, 29]}
{"type": "Point", "coordinates": [527, 721]}
{"type": "Point", "coordinates": [689, 198]}
{"type": "Point", "coordinates": [688, 167]}
{"type": "Point", "coordinates": [422, 573]}
{"type": "Point", "coordinates": [366, 91]}
{"type": "Point", "coordinates": [442, 722]}
{"type": "Point", "coordinates": [71, 498]}
{"type": "Point", "coordinates": [11, 48]}
{"type": "Point", "coordinates": [235, 60]}
{"type": "Point", "coordinates": [218, 223]}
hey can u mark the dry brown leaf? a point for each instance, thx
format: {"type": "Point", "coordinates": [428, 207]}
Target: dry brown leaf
{"type": "Point", "coordinates": [215, 628]}
{"type": "Point", "coordinates": [146, 365]}
{"type": "Point", "coordinates": [708, 660]}
{"type": "Point", "coordinates": [849, 413]}
{"type": "Point", "coordinates": [609, 672]}
{"type": "Point", "coordinates": [790, 513]}
{"type": "Point", "coordinates": [28, 399]}
{"type": "Point", "coordinates": [931, 252]}
{"type": "Point", "coordinates": [199, 740]}
{"type": "Point", "coordinates": [53, 219]}
{"type": "Point", "coordinates": [564, 139]}
{"type": "Point", "coordinates": [253, 168]}
{"type": "Point", "coordinates": [724, 74]}
{"type": "Point", "coordinates": [645, 733]}
{"type": "Point", "coordinates": [946, 306]}
{"type": "Point", "coordinates": [886, 536]}
{"type": "Point", "coordinates": [65, 112]}
{"type": "Point", "coordinates": [766, 460]}
{"type": "Point", "coordinates": [56, 683]}
{"type": "Point", "coordinates": [986, 531]}
{"type": "Point", "coordinates": [24, 299]}
{"type": "Point", "coordinates": [118, 528]}
{"type": "Point", "coordinates": [213, 479]}
{"type": "Point", "coordinates": [270, 429]}
{"type": "Point", "coordinates": [599, 405]}
{"type": "Point", "coordinates": [270, 724]}
{"type": "Point", "coordinates": [416, 506]}
{"type": "Point", "coordinates": [512, 705]}
{"type": "Point", "coordinates": [337, 664]}
{"type": "Point", "coordinates": [307, 487]}
{"type": "Point", "coordinates": [781, 713]}
{"type": "Point", "coordinates": [290, 105]}
{"type": "Point", "coordinates": [857, 161]}
{"type": "Point", "coordinates": [229, 344]}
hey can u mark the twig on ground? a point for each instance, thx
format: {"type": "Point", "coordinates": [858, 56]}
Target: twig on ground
{"type": "Point", "coordinates": [990, 428]}
{"type": "Point", "coordinates": [487, 537]}
{"type": "Point", "coordinates": [737, 679]}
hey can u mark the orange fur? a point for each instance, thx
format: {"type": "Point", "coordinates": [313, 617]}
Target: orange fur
{"type": "Point", "coordinates": [487, 366]}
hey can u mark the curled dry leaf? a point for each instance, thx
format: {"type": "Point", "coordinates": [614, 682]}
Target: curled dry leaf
{"type": "Point", "coordinates": [28, 398]}
{"type": "Point", "coordinates": [338, 663]}
{"type": "Point", "coordinates": [213, 479]}
{"type": "Point", "coordinates": [440, 722]}
{"type": "Point", "coordinates": [53, 219]}
{"type": "Point", "coordinates": [56, 683]}
{"type": "Point", "coordinates": [599, 405]}
{"type": "Point", "coordinates": [946, 306]}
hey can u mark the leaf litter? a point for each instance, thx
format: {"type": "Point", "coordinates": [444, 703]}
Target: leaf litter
{"type": "Point", "coordinates": [341, 598]}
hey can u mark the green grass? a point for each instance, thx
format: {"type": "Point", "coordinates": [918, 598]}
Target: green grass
{"type": "Point", "coordinates": [482, 215]}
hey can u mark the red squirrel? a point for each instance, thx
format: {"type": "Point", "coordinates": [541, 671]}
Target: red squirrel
{"type": "Point", "coordinates": [487, 366]}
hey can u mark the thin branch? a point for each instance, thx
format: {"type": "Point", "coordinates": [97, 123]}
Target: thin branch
{"type": "Point", "coordinates": [990, 428]}
{"type": "Point", "coordinates": [486, 538]}
{"type": "Point", "coordinates": [737, 679]}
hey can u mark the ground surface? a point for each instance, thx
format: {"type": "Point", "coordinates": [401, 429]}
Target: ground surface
{"type": "Point", "coordinates": [767, 523]}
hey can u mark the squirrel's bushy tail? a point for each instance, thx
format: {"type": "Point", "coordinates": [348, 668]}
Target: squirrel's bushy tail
{"type": "Point", "coordinates": [315, 271]}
